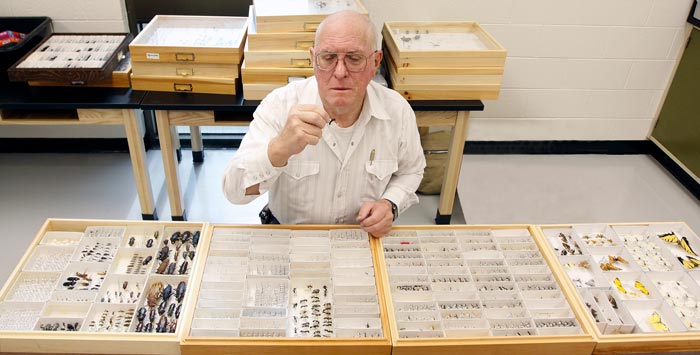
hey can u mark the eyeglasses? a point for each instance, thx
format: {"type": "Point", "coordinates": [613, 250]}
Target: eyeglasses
{"type": "Point", "coordinates": [354, 61]}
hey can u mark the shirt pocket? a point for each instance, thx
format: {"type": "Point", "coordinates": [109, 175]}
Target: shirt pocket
{"type": "Point", "coordinates": [378, 175]}
{"type": "Point", "coordinates": [298, 170]}
{"type": "Point", "coordinates": [298, 184]}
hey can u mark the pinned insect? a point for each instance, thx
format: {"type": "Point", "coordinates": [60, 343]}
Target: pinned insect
{"type": "Point", "coordinates": [183, 268]}
{"type": "Point", "coordinates": [149, 243]}
{"type": "Point", "coordinates": [686, 246]}
{"type": "Point", "coordinates": [147, 260]}
{"type": "Point", "coordinates": [619, 286]}
{"type": "Point", "coordinates": [195, 239]}
{"type": "Point", "coordinates": [154, 293]}
{"type": "Point", "coordinates": [175, 237]}
{"type": "Point", "coordinates": [656, 323]}
{"type": "Point", "coordinates": [669, 237]}
{"type": "Point", "coordinates": [640, 286]}
{"type": "Point", "coordinates": [180, 291]}
{"type": "Point", "coordinates": [186, 236]}
{"type": "Point", "coordinates": [132, 240]}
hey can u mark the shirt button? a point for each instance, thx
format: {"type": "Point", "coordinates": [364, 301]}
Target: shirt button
{"type": "Point", "coordinates": [297, 174]}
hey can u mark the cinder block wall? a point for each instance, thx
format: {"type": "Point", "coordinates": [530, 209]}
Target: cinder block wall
{"type": "Point", "coordinates": [579, 70]}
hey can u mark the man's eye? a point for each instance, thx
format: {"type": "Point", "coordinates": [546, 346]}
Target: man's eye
{"type": "Point", "coordinates": [328, 57]}
{"type": "Point", "coordinates": [356, 58]}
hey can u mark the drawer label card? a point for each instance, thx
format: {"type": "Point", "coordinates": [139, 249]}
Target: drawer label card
{"type": "Point", "coordinates": [153, 56]}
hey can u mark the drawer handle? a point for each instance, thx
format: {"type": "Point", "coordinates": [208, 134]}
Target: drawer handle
{"type": "Point", "coordinates": [182, 87]}
{"type": "Point", "coordinates": [304, 44]}
{"type": "Point", "coordinates": [184, 71]}
{"type": "Point", "coordinates": [310, 26]}
{"type": "Point", "coordinates": [184, 57]}
{"type": "Point", "coordinates": [301, 62]}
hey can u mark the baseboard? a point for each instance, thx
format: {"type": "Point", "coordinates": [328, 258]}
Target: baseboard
{"type": "Point", "coordinates": [558, 147]}
{"type": "Point", "coordinates": [100, 145]}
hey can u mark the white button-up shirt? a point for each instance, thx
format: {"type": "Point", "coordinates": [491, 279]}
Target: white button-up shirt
{"type": "Point", "coordinates": [320, 185]}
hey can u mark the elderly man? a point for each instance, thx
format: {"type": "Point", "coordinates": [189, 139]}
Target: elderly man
{"type": "Point", "coordinates": [335, 148]}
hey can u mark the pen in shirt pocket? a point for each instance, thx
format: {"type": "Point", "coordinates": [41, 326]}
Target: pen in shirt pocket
{"type": "Point", "coordinates": [371, 157]}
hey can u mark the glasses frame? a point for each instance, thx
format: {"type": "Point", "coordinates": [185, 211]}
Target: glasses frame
{"type": "Point", "coordinates": [345, 54]}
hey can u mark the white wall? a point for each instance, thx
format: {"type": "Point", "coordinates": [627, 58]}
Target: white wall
{"type": "Point", "coordinates": [581, 70]}
{"type": "Point", "coordinates": [69, 16]}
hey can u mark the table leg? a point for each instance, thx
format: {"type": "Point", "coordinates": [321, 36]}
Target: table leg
{"type": "Point", "coordinates": [176, 142]}
{"type": "Point", "coordinates": [454, 164]}
{"type": "Point", "coordinates": [139, 164]}
{"type": "Point", "coordinates": [197, 145]}
{"type": "Point", "coordinates": [167, 149]}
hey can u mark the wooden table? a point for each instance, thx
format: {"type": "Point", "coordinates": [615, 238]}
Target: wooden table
{"type": "Point", "coordinates": [24, 105]}
{"type": "Point", "coordinates": [175, 109]}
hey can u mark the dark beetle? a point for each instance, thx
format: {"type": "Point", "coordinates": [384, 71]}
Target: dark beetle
{"type": "Point", "coordinates": [186, 236]}
{"type": "Point", "coordinates": [191, 255]}
{"type": "Point", "coordinates": [141, 314]}
{"type": "Point", "coordinates": [171, 309]}
{"type": "Point", "coordinates": [132, 240]}
{"type": "Point", "coordinates": [139, 327]}
{"type": "Point", "coordinates": [161, 307]}
{"type": "Point", "coordinates": [148, 328]}
{"type": "Point", "coordinates": [195, 239]}
{"type": "Point", "coordinates": [152, 314]}
{"type": "Point", "coordinates": [171, 268]}
{"type": "Point", "coordinates": [163, 253]}
{"type": "Point", "coordinates": [183, 268]}
{"type": "Point", "coordinates": [149, 243]}
{"type": "Point", "coordinates": [175, 237]}
{"type": "Point", "coordinates": [177, 311]}
{"type": "Point", "coordinates": [162, 325]}
{"type": "Point", "coordinates": [147, 260]}
{"type": "Point", "coordinates": [167, 292]}
{"type": "Point", "coordinates": [180, 291]}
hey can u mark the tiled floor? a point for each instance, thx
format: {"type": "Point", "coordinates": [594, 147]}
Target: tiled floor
{"type": "Point", "coordinates": [494, 188]}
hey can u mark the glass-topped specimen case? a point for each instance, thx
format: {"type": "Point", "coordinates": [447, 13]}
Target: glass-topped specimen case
{"type": "Point", "coordinates": [195, 39]}
{"type": "Point", "coordinates": [636, 282]}
{"type": "Point", "coordinates": [279, 16]}
{"type": "Point", "coordinates": [101, 287]}
{"type": "Point", "coordinates": [477, 289]}
{"type": "Point", "coordinates": [443, 60]}
{"type": "Point", "coordinates": [78, 58]}
{"type": "Point", "coordinates": [291, 289]}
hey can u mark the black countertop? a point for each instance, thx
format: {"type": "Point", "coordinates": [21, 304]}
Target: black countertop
{"type": "Point", "coordinates": [22, 96]}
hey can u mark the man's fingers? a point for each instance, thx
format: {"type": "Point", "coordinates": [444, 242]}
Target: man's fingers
{"type": "Point", "coordinates": [365, 211]}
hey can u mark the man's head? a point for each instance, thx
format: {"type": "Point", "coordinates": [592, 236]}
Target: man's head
{"type": "Point", "coordinates": [345, 59]}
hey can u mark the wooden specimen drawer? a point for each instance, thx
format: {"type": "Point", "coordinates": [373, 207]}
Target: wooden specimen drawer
{"type": "Point", "coordinates": [222, 86]}
{"type": "Point", "coordinates": [72, 58]}
{"type": "Point", "coordinates": [288, 289]}
{"type": "Point", "coordinates": [191, 39]}
{"type": "Point", "coordinates": [101, 287]}
{"type": "Point", "coordinates": [442, 45]}
{"type": "Point", "coordinates": [637, 283]}
{"type": "Point", "coordinates": [477, 289]}
{"type": "Point", "coordinates": [278, 16]}
{"type": "Point", "coordinates": [278, 59]}
{"type": "Point", "coordinates": [273, 75]}
{"type": "Point", "coordinates": [121, 78]}
{"type": "Point", "coordinates": [280, 41]}
{"type": "Point", "coordinates": [188, 70]}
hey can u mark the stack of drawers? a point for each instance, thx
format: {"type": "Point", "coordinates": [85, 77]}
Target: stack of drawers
{"type": "Point", "coordinates": [443, 60]}
{"type": "Point", "coordinates": [279, 38]}
{"type": "Point", "coordinates": [196, 54]}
